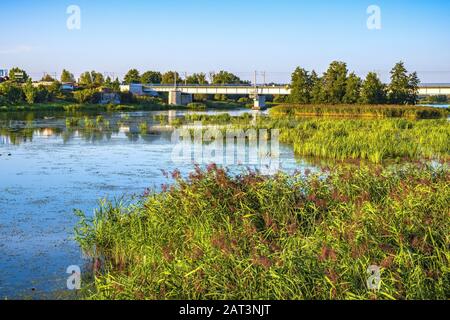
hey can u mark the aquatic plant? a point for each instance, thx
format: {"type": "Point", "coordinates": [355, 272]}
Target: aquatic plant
{"type": "Point", "coordinates": [215, 236]}
{"type": "Point", "coordinates": [72, 122]}
{"type": "Point", "coordinates": [143, 127]}
{"type": "Point", "coordinates": [196, 106]}
{"type": "Point", "coordinates": [370, 111]}
{"type": "Point", "coordinates": [373, 140]}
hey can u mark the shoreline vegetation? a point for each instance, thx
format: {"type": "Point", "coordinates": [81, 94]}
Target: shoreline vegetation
{"type": "Point", "coordinates": [150, 105]}
{"type": "Point", "coordinates": [309, 236]}
{"type": "Point", "coordinates": [362, 111]}
{"type": "Point", "coordinates": [301, 236]}
{"type": "Point", "coordinates": [346, 139]}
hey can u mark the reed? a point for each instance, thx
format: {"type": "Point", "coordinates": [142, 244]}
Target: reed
{"type": "Point", "coordinates": [216, 236]}
{"type": "Point", "coordinates": [368, 111]}
{"type": "Point", "coordinates": [373, 140]}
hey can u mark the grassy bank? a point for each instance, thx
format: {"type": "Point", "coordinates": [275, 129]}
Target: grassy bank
{"type": "Point", "coordinates": [65, 106]}
{"type": "Point", "coordinates": [252, 237]}
{"type": "Point", "coordinates": [367, 111]}
{"type": "Point", "coordinates": [373, 140]}
{"type": "Point", "coordinates": [144, 105]}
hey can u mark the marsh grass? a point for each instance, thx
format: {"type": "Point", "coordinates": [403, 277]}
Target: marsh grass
{"type": "Point", "coordinates": [372, 140]}
{"type": "Point", "coordinates": [367, 111]}
{"type": "Point", "coordinates": [215, 236]}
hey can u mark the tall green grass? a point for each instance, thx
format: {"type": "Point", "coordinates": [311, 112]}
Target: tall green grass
{"type": "Point", "coordinates": [373, 140]}
{"type": "Point", "coordinates": [370, 111]}
{"type": "Point", "coordinates": [214, 236]}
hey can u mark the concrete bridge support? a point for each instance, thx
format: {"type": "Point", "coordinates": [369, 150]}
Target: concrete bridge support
{"type": "Point", "coordinates": [259, 102]}
{"type": "Point", "coordinates": [178, 98]}
{"type": "Point", "coordinates": [175, 98]}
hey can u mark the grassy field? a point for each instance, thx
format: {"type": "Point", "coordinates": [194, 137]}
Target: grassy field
{"type": "Point", "coordinates": [285, 237]}
{"type": "Point", "coordinates": [366, 111]}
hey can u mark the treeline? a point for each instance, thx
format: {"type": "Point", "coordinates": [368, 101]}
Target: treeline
{"type": "Point", "coordinates": [335, 86]}
{"type": "Point", "coordinates": [14, 93]}
{"type": "Point", "coordinates": [19, 88]}
{"type": "Point", "coordinates": [172, 77]}
{"type": "Point", "coordinates": [338, 86]}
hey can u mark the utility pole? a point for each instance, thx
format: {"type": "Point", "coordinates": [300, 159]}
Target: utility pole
{"type": "Point", "coordinates": [175, 78]}
{"type": "Point", "coordinates": [185, 78]}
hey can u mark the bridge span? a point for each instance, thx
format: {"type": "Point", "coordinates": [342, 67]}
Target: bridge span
{"type": "Point", "coordinates": [182, 94]}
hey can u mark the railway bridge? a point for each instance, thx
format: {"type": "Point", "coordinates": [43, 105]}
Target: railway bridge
{"type": "Point", "coordinates": [182, 94]}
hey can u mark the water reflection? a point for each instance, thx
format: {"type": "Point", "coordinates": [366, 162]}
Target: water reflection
{"type": "Point", "coordinates": [18, 127]}
{"type": "Point", "coordinates": [60, 162]}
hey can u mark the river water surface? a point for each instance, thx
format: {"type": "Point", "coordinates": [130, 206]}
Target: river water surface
{"type": "Point", "coordinates": [48, 170]}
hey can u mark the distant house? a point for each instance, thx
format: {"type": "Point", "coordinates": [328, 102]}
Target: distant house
{"type": "Point", "coordinates": [42, 83]}
{"type": "Point", "coordinates": [3, 75]}
{"type": "Point", "coordinates": [108, 96]}
{"type": "Point", "coordinates": [69, 86]}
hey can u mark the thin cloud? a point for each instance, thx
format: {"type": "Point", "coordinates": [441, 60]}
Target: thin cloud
{"type": "Point", "coordinates": [16, 50]}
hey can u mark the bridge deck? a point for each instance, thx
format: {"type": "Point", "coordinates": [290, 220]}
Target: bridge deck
{"type": "Point", "coordinates": [424, 89]}
{"type": "Point", "coordinates": [221, 89]}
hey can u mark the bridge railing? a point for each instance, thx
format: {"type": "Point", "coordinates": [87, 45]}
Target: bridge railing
{"type": "Point", "coordinates": [215, 85]}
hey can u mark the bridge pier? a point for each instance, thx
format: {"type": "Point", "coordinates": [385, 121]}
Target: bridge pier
{"type": "Point", "coordinates": [259, 102]}
{"type": "Point", "coordinates": [177, 98]}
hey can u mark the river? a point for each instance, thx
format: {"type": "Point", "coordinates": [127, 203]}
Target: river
{"type": "Point", "coordinates": [48, 170]}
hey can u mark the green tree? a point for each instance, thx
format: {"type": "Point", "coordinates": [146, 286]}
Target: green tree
{"type": "Point", "coordinates": [352, 89]}
{"type": "Point", "coordinates": [335, 82]}
{"type": "Point", "coordinates": [18, 75]}
{"type": "Point", "coordinates": [280, 98]}
{"type": "Point", "coordinates": [413, 86]}
{"type": "Point", "coordinates": [47, 78]}
{"type": "Point", "coordinates": [132, 76]}
{"type": "Point", "coordinates": [12, 92]}
{"type": "Point", "coordinates": [373, 91]}
{"type": "Point", "coordinates": [43, 94]}
{"type": "Point", "coordinates": [54, 90]}
{"type": "Point", "coordinates": [224, 77]}
{"type": "Point", "coordinates": [317, 94]}
{"type": "Point", "coordinates": [86, 79]}
{"type": "Point", "coordinates": [115, 86]}
{"type": "Point", "coordinates": [170, 76]}
{"type": "Point", "coordinates": [87, 96]}
{"type": "Point", "coordinates": [197, 78]}
{"type": "Point", "coordinates": [399, 88]}
{"type": "Point", "coordinates": [108, 82]}
{"type": "Point", "coordinates": [153, 77]}
{"type": "Point", "coordinates": [97, 78]}
{"type": "Point", "coordinates": [30, 92]}
{"type": "Point", "coordinates": [66, 76]}
{"type": "Point", "coordinates": [301, 86]}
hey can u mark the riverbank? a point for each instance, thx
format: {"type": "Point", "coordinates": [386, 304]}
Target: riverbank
{"type": "Point", "coordinates": [214, 236]}
{"type": "Point", "coordinates": [363, 111]}
{"type": "Point", "coordinates": [142, 106]}
{"type": "Point", "coordinates": [301, 236]}
{"type": "Point", "coordinates": [343, 139]}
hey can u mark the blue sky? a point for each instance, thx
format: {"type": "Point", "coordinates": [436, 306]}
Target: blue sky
{"type": "Point", "coordinates": [240, 36]}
